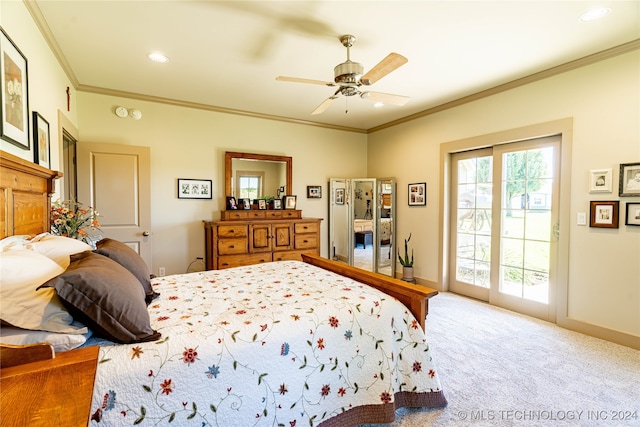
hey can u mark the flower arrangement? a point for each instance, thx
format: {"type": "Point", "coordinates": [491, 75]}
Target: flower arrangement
{"type": "Point", "coordinates": [70, 219]}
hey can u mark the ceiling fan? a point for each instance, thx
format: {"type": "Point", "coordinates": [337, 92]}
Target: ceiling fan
{"type": "Point", "coordinates": [350, 79]}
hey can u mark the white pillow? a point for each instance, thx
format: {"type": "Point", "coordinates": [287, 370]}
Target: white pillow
{"type": "Point", "coordinates": [58, 248]}
{"type": "Point", "coordinates": [60, 342]}
{"type": "Point", "coordinates": [21, 305]}
{"type": "Point", "coordinates": [14, 241]}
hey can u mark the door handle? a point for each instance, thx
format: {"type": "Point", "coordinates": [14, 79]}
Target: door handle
{"type": "Point", "coordinates": [146, 234]}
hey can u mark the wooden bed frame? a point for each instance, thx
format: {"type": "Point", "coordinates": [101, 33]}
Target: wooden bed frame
{"type": "Point", "coordinates": [31, 376]}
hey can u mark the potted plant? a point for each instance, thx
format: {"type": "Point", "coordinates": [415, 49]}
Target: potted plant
{"type": "Point", "coordinates": [407, 264]}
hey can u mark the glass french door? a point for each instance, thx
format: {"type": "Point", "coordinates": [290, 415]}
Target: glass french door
{"type": "Point", "coordinates": [504, 218]}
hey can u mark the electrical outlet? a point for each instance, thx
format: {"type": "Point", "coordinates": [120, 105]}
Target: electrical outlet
{"type": "Point", "coordinates": [161, 271]}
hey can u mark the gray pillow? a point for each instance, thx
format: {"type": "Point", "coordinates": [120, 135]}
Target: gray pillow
{"type": "Point", "coordinates": [106, 297]}
{"type": "Point", "coordinates": [129, 259]}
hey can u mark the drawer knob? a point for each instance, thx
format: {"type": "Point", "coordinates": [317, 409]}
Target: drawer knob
{"type": "Point", "coordinates": [231, 247]}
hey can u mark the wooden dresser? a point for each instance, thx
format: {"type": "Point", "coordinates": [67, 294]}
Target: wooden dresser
{"type": "Point", "coordinates": [246, 237]}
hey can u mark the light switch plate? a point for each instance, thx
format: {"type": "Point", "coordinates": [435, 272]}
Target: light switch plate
{"type": "Point", "coordinates": [582, 218]}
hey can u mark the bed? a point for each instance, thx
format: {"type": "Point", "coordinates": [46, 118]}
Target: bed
{"type": "Point", "coordinates": [288, 343]}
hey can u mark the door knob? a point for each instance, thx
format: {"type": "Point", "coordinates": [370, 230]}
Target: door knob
{"type": "Point", "coordinates": [146, 234]}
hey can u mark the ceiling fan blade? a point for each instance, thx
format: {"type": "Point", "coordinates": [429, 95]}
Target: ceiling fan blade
{"type": "Point", "coordinates": [325, 104]}
{"type": "Point", "coordinates": [384, 67]}
{"type": "Point", "coordinates": [385, 98]}
{"type": "Point", "coordinates": [299, 80]}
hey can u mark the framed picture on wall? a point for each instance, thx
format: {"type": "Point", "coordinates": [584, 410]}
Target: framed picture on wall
{"type": "Point", "coordinates": [41, 141]}
{"type": "Point", "coordinates": [417, 194]}
{"type": "Point", "coordinates": [194, 188]}
{"type": "Point", "coordinates": [314, 192]}
{"type": "Point", "coordinates": [633, 214]}
{"type": "Point", "coordinates": [600, 180]}
{"type": "Point", "coordinates": [339, 196]}
{"type": "Point", "coordinates": [629, 180]}
{"type": "Point", "coordinates": [14, 93]}
{"type": "Point", "coordinates": [604, 214]}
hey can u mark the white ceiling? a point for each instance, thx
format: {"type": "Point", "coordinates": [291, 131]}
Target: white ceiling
{"type": "Point", "coordinates": [226, 55]}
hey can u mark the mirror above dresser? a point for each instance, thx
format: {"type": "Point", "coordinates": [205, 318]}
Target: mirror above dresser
{"type": "Point", "coordinates": [272, 172]}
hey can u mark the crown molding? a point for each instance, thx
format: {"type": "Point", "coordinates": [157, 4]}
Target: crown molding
{"type": "Point", "coordinates": [541, 75]}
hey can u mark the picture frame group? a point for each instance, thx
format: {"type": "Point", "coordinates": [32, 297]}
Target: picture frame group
{"type": "Point", "coordinates": [194, 188]}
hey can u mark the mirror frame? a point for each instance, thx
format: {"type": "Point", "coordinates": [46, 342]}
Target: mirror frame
{"type": "Point", "coordinates": [228, 173]}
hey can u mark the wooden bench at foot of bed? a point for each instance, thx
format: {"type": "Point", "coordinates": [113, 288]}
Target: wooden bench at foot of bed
{"type": "Point", "coordinates": [415, 297]}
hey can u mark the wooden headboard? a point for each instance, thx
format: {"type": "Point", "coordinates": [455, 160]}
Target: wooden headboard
{"type": "Point", "coordinates": [25, 196]}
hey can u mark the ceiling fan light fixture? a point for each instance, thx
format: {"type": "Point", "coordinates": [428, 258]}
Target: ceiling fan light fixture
{"type": "Point", "coordinates": [348, 72]}
{"type": "Point", "coordinates": [595, 14]}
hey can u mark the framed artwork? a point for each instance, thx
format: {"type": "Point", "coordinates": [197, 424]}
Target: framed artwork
{"type": "Point", "coordinates": [604, 214]}
{"type": "Point", "coordinates": [244, 204]}
{"type": "Point", "coordinates": [339, 196]}
{"type": "Point", "coordinates": [600, 180]}
{"type": "Point", "coordinates": [633, 214]}
{"type": "Point", "coordinates": [194, 188]}
{"type": "Point", "coordinates": [232, 203]}
{"type": "Point", "coordinates": [417, 194]}
{"type": "Point", "coordinates": [314, 192]}
{"type": "Point", "coordinates": [276, 204]}
{"type": "Point", "coordinates": [289, 202]}
{"type": "Point", "coordinates": [41, 141]}
{"type": "Point", "coordinates": [262, 204]}
{"type": "Point", "coordinates": [629, 180]}
{"type": "Point", "coordinates": [14, 93]}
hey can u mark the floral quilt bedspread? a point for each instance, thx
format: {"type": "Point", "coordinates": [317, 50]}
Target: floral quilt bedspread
{"type": "Point", "coordinates": [276, 344]}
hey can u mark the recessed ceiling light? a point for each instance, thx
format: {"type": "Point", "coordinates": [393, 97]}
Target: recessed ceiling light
{"type": "Point", "coordinates": [378, 105]}
{"type": "Point", "coordinates": [594, 14]}
{"type": "Point", "coordinates": [158, 57]}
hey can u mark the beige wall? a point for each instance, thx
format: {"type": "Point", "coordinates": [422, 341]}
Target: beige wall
{"type": "Point", "coordinates": [190, 143]}
{"type": "Point", "coordinates": [604, 101]}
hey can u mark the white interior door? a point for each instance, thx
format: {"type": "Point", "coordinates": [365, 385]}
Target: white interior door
{"type": "Point", "coordinates": [115, 179]}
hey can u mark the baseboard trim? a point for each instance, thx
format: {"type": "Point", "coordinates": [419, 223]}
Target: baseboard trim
{"type": "Point", "coordinates": [596, 331]}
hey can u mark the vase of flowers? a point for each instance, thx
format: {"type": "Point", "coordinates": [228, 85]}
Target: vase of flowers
{"type": "Point", "coordinates": [70, 219]}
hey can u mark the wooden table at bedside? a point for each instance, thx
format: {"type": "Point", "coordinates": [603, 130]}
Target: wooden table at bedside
{"type": "Point", "coordinates": [53, 392]}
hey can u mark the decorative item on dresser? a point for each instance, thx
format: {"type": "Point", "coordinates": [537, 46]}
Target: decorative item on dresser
{"type": "Point", "coordinates": [257, 236]}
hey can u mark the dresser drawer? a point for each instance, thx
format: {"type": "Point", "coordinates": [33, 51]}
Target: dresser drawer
{"type": "Point", "coordinates": [274, 214]}
{"type": "Point", "coordinates": [225, 231]}
{"type": "Point", "coordinates": [253, 214]}
{"type": "Point", "coordinates": [306, 241]}
{"type": "Point", "coordinates": [306, 227]}
{"type": "Point", "coordinates": [232, 246]}
{"type": "Point", "coordinates": [229, 261]}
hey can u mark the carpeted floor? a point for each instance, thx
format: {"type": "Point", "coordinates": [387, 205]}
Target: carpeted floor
{"type": "Point", "coordinates": [499, 368]}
